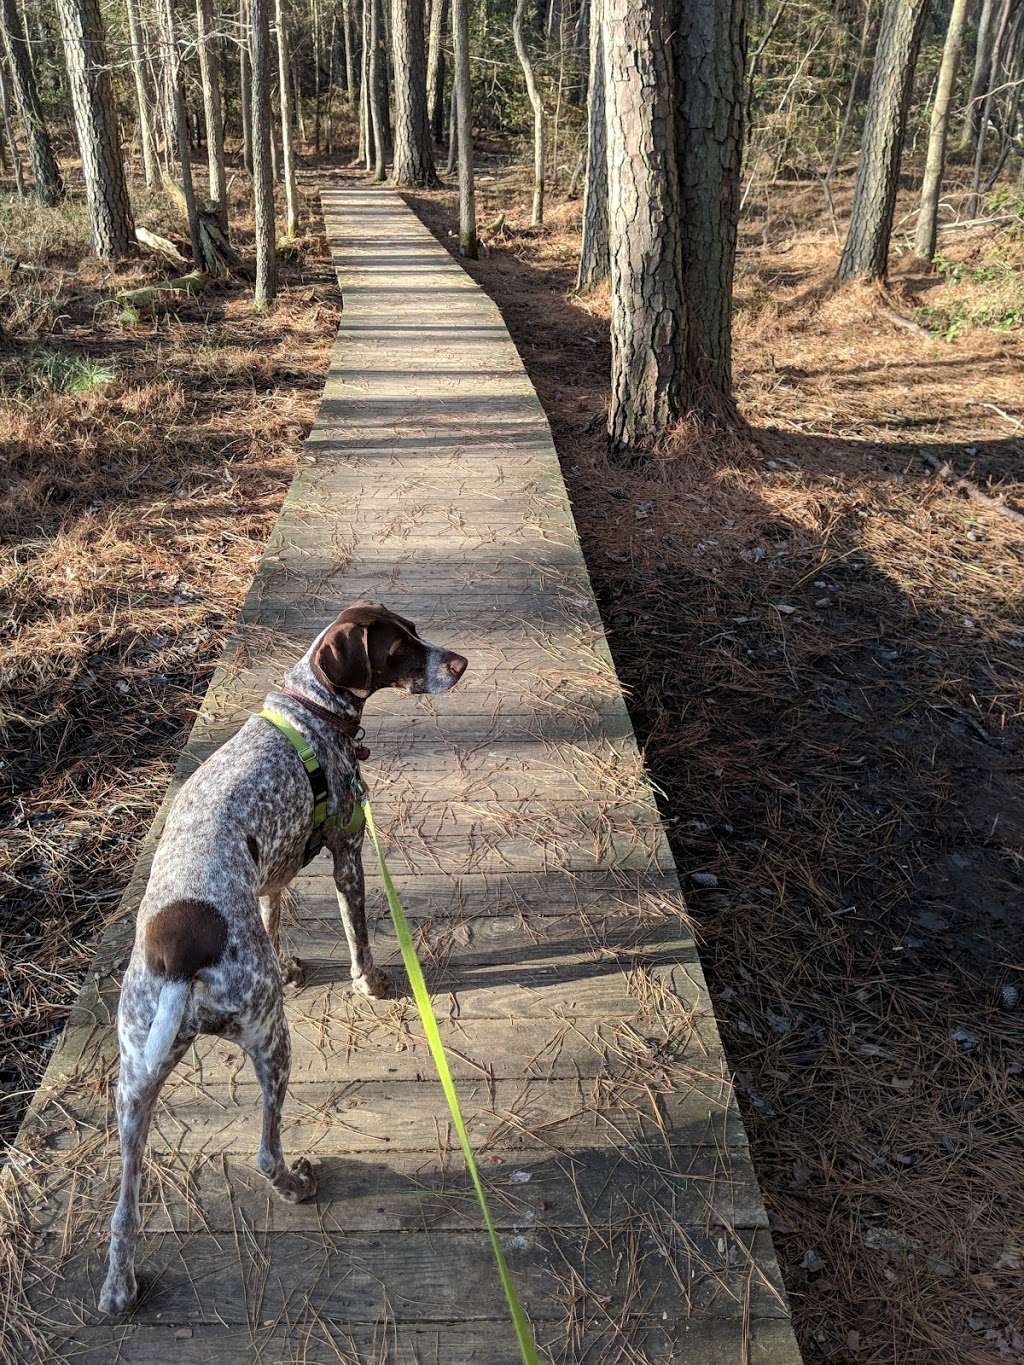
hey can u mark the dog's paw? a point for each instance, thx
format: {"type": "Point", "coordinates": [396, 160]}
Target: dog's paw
{"type": "Point", "coordinates": [293, 973]}
{"type": "Point", "coordinates": [299, 1183]}
{"type": "Point", "coordinates": [373, 983]}
{"type": "Point", "coordinates": [119, 1293]}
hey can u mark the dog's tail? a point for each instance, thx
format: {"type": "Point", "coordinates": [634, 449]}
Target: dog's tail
{"type": "Point", "coordinates": [170, 1010]}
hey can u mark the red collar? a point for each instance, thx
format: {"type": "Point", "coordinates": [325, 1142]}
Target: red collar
{"type": "Point", "coordinates": [348, 726]}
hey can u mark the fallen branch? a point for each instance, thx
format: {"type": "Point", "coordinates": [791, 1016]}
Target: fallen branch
{"type": "Point", "coordinates": [944, 471]}
{"type": "Point", "coordinates": [32, 269]}
{"type": "Point", "coordinates": [163, 246]}
{"type": "Point", "coordinates": [155, 295]}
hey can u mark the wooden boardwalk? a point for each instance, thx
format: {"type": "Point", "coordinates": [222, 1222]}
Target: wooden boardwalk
{"type": "Point", "coordinates": [531, 859]}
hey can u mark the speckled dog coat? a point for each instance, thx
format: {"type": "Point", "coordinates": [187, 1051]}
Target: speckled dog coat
{"type": "Point", "coordinates": [206, 954]}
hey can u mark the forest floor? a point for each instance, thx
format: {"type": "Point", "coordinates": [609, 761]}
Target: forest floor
{"type": "Point", "coordinates": [143, 463]}
{"type": "Point", "coordinates": [822, 636]}
{"type": "Point", "coordinates": [822, 639]}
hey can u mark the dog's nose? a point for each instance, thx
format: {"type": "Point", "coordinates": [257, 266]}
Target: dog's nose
{"type": "Point", "coordinates": [456, 665]}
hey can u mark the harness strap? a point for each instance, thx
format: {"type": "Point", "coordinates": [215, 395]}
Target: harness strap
{"type": "Point", "coordinates": [322, 822]}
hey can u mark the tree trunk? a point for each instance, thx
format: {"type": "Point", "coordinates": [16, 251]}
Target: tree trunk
{"type": "Point", "coordinates": [348, 31]}
{"type": "Point", "coordinates": [435, 68]}
{"type": "Point", "coordinates": [414, 155]}
{"type": "Point", "coordinates": [262, 176]}
{"type": "Point", "coordinates": [150, 164]}
{"type": "Point", "coordinates": [453, 131]}
{"type": "Point", "coordinates": [245, 81]}
{"type": "Point", "coordinates": [291, 193]}
{"type": "Point", "coordinates": [365, 116]}
{"type": "Point", "coordinates": [378, 92]}
{"type": "Point", "coordinates": [12, 144]}
{"type": "Point", "coordinates": [209, 66]}
{"type": "Point", "coordinates": [995, 80]}
{"type": "Point", "coordinates": [648, 326]}
{"type": "Point", "coordinates": [866, 253]}
{"type": "Point", "coordinates": [982, 72]}
{"type": "Point", "coordinates": [46, 172]}
{"type": "Point", "coordinates": [538, 112]}
{"type": "Point", "coordinates": [464, 119]}
{"type": "Point", "coordinates": [594, 265]}
{"type": "Point", "coordinates": [710, 88]}
{"type": "Point", "coordinates": [176, 92]}
{"type": "Point", "coordinates": [927, 218]}
{"type": "Point", "coordinates": [92, 99]}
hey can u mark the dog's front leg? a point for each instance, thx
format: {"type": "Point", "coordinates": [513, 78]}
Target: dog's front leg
{"type": "Point", "coordinates": [270, 912]}
{"type": "Point", "coordinates": [348, 882]}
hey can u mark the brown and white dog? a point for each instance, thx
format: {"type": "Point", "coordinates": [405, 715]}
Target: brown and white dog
{"type": "Point", "coordinates": [206, 954]}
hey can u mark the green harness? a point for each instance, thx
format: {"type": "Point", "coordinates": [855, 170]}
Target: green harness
{"type": "Point", "coordinates": [323, 823]}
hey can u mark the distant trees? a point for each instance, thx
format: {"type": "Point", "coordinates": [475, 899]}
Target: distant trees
{"type": "Point", "coordinates": [262, 175]}
{"type": "Point", "coordinates": [537, 102]}
{"type": "Point", "coordinates": [927, 218]}
{"type": "Point", "coordinates": [49, 185]}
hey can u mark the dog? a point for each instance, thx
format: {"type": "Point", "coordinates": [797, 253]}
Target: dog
{"type": "Point", "coordinates": [206, 957]}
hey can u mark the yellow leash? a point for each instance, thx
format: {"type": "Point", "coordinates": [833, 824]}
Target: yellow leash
{"type": "Point", "coordinates": [527, 1349]}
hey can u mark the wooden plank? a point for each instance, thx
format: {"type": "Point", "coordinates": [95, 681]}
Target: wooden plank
{"type": "Point", "coordinates": [410, 1276]}
{"type": "Point", "coordinates": [311, 1338]}
{"type": "Point", "coordinates": [696, 1186]}
{"type": "Point", "coordinates": [328, 1118]}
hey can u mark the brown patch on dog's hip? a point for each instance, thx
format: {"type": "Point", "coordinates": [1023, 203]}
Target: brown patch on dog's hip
{"type": "Point", "coordinates": [183, 938]}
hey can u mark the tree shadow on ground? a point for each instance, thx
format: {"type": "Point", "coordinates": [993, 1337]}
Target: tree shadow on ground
{"type": "Point", "coordinates": [819, 642]}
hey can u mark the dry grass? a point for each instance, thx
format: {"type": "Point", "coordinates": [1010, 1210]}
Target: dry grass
{"type": "Point", "coordinates": [143, 465]}
{"type": "Point", "coordinates": [822, 642]}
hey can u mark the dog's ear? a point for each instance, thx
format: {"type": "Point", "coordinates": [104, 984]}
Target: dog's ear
{"type": "Point", "coordinates": [342, 658]}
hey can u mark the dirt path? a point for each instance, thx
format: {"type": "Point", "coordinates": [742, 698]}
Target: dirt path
{"type": "Point", "coordinates": [529, 852]}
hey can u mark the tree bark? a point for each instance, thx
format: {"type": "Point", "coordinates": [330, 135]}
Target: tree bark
{"type": "Point", "coordinates": [982, 72]}
{"type": "Point", "coordinates": [414, 155]}
{"type": "Point", "coordinates": [49, 186]}
{"type": "Point", "coordinates": [927, 218]}
{"type": "Point", "coordinates": [995, 80]}
{"type": "Point", "coordinates": [262, 177]}
{"type": "Point", "coordinates": [538, 111]}
{"type": "Point", "coordinates": [176, 96]}
{"type": "Point", "coordinates": [245, 81]}
{"type": "Point", "coordinates": [866, 252]}
{"type": "Point", "coordinates": [435, 68]}
{"type": "Point", "coordinates": [209, 67]}
{"type": "Point", "coordinates": [150, 163]}
{"type": "Point", "coordinates": [12, 144]}
{"type": "Point", "coordinates": [92, 99]}
{"type": "Point", "coordinates": [291, 193]}
{"type": "Point", "coordinates": [648, 324]}
{"type": "Point", "coordinates": [378, 92]}
{"type": "Point", "coordinates": [464, 119]}
{"type": "Point", "coordinates": [710, 88]}
{"type": "Point", "coordinates": [348, 33]}
{"type": "Point", "coordinates": [594, 266]}
{"type": "Point", "coordinates": [453, 131]}
{"type": "Point", "coordinates": [366, 151]}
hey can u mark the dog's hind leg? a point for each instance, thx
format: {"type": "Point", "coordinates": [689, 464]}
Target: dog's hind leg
{"type": "Point", "coordinates": [270, 1052]}
{"type": "Point", "coordinates": [137, 1093]}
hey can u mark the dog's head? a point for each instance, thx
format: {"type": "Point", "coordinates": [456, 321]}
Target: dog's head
{"type": "Point", "coordinates": [369, 647]}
